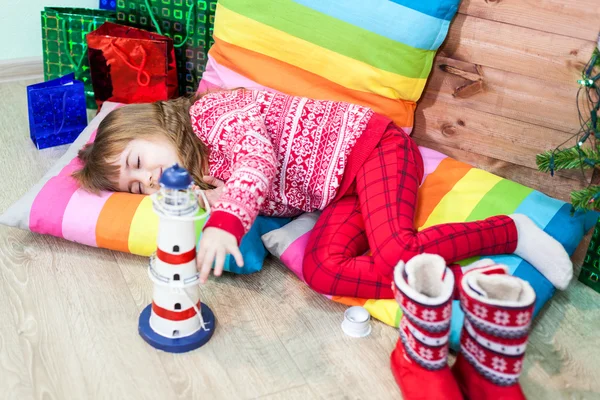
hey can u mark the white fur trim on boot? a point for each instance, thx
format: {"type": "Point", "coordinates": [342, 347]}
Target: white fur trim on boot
{"type": "Point", "coordinates": [425, 278]}
{"type": "Point", "coordinates": [500, 289]}
{"type": "Point", "coordinates": [542, 251]}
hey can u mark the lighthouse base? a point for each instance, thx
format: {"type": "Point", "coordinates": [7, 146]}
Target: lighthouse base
{"type": "Point", "coordinates": [178, 345]}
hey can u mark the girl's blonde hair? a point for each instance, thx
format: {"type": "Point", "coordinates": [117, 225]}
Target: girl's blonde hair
{"type": "Point", "coordinates": [134, 121]}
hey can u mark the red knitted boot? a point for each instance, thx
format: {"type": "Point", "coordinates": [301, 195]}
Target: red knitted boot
{"type": "Point", "coordinates": [423, 288]}
{"type": "Point", "coordinates": [498, 310]}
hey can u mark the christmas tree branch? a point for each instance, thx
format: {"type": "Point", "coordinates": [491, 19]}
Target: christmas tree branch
{"type": "Point", "coordinates": [586, 199]}
{"type": "Point", "coordinates": [570, 158]}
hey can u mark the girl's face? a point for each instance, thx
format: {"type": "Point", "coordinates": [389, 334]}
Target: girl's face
{"type": "Point", "coordinates": [142, 163]}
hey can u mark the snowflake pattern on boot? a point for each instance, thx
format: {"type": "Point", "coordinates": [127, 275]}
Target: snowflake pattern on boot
{"type": "Point", "coordinates": [494, 335]}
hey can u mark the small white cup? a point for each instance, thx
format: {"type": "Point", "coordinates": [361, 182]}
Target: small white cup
{"type": "Point", "coordinates": [357, 322]}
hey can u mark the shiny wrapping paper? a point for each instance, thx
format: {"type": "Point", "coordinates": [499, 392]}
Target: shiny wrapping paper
{"type": "Point", "coordinates": [63, 43]}
{"type": "Point", "coordinates": [107, 4]}
{"type": "Point", "coordinates": [130, 65]}
{"type": "Point", "coordinates": [590, 270]}
{"type": "Point", "coordinates": [188, 22]}
{"type": "Point", "coordinates": [57, 111]}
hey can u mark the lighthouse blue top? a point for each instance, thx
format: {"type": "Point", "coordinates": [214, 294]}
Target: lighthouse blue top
{"type": "Point", "coordinates": [175, 177]}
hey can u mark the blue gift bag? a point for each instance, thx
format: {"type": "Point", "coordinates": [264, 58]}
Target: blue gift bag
{"type": "Point", "coordinates": [108, 5]}
{"type": "Point", "coordinates": [57, 111]}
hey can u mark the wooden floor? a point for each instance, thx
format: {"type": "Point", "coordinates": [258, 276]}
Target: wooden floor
{"type": "Point", "coordinates": [69, 315]}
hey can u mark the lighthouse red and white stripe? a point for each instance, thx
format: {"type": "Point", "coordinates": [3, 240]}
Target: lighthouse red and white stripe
{"type": "Point", "coordinates": [176, 321]}
{"type": "Point", "coordinates": [176, 295]}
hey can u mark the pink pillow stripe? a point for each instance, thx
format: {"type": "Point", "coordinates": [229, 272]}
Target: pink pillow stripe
{"type": "Point", "coordinates": [81, 214]}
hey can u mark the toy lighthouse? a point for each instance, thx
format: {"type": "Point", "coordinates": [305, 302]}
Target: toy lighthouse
{"type": "Point", "coordinates": [176, 321]}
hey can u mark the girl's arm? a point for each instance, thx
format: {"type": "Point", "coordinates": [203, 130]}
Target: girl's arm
{"type": "Point", "coordinates": [242, 137]}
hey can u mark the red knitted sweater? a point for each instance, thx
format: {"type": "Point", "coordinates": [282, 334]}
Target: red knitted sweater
{"type": "Point", "coordinates": [280, 155]}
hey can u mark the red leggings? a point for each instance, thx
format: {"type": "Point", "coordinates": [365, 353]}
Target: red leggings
{"type": "Point", "coordinates": [377, 214]}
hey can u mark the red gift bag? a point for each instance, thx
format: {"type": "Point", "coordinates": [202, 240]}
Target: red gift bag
{"type": "Point", "coordinates": [130, 65]}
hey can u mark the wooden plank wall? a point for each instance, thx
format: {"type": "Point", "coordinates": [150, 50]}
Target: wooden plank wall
{"type": "Point", "coordinates": [528, 55]}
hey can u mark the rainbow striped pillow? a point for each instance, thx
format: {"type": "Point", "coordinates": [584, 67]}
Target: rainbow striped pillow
{"type": "Point", "coordinates": [377, 53]}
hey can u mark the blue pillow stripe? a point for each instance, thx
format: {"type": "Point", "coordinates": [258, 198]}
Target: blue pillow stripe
{"type": "Point", "coordinates": [542, 286]}
{"type": "Point", "coordinates": [443, 9]}
{"type": "Point", "coordinates": [540, 208]}
{"type": "Point", "coordinates": [385, 18]}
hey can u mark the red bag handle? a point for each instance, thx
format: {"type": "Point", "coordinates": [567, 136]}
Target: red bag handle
{"type": "Point", "coordinates": [140, 69]}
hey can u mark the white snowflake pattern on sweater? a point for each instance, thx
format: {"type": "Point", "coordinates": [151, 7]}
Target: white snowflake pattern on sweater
{"type": "Point", "coordinates": [280, 155]}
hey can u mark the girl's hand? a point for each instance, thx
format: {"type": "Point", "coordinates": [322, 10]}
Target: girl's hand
{"type": "Point", "coordinates": [215, 244]}
{"type": "Point", "coordinates": [212, 195]}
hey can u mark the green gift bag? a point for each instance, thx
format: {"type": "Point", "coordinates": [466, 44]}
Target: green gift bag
{"type": "Point", "coordinates": [188, 22]}
{"type": "Point", "coordinates": [64, 45]}
{"type": "Point", "coordinates": [590, 270]}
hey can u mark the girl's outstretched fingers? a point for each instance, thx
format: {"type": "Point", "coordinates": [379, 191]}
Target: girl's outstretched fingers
{"type": "Point", "coordinates": [237, 255]}
{"type": "Point", "coordinates": [214, 246]}
{"type": "Point", "coordinates": [204, 262]}
{"type": "Point", "coordinates": [220, 261]}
